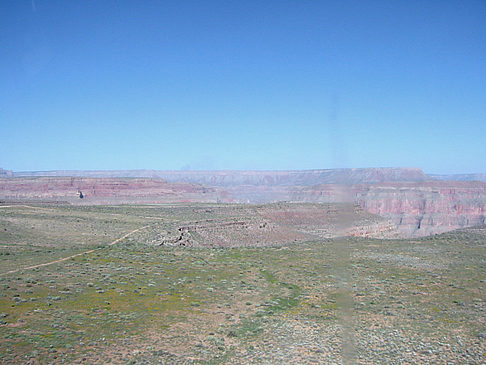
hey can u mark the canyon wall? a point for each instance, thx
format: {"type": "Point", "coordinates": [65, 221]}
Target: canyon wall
{"type": "Point", "coordinates": [416, 208]}
{"type": "Point", "coordinates": [420, 209]}
{"type": "Point", "coordinates": [77, 190]}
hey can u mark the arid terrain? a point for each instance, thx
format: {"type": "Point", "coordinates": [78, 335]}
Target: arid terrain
{"type": "Point", "coordinates": [209, 283]}
{"type": "Point", "coordinates": [242, 182]}
{"type": "Point", "coordinates": [322, 266]}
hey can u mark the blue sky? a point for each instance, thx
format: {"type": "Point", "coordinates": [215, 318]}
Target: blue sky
{"type": "Point", "coordinates": [243, 84]}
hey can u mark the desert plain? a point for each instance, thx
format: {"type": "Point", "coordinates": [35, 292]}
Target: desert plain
{"type": "Point", "coordinates": [216, 283]}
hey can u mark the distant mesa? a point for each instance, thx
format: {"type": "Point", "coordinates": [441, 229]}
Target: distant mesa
{"type": "Point", "coordinates": [460, 177]}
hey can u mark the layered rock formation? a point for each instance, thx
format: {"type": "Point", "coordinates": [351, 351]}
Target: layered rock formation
{"type": "Point", "coordinates": [98, 191]}
{"type": "Point", "coordinates": [417, 208]}
{"type": "Point", "coordinates": [426, 208]}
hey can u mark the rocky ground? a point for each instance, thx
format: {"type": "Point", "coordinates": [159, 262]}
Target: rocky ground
{"type": "Point", "coordinates": [321, 300]}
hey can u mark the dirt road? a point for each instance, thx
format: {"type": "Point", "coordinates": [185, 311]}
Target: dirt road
{"type": "Point", "coordinates": [72, 256]}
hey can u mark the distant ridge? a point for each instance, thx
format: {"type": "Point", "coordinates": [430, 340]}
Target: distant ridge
{"type": "Point", "coordinates": [228, 178]}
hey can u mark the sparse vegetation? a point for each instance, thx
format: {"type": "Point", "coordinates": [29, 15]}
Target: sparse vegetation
{"type": "Point", "coordinates": [379, 301]}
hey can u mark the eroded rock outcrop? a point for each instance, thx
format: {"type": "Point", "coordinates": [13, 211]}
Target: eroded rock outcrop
{"type": "Point", "coordinates": [238, 225]}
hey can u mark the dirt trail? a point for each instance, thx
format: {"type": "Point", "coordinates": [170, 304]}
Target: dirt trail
{"type": "Point", "coordinates": [72, 256]}
{"type": "Point", "coordinates": [24, 206]}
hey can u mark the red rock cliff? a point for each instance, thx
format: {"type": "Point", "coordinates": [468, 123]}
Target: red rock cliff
{"type": "Point", "coordinates": [98, 190]}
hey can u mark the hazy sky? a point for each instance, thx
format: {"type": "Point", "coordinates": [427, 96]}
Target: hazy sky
{"type": "Point", "coordinates": [243, 84]}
